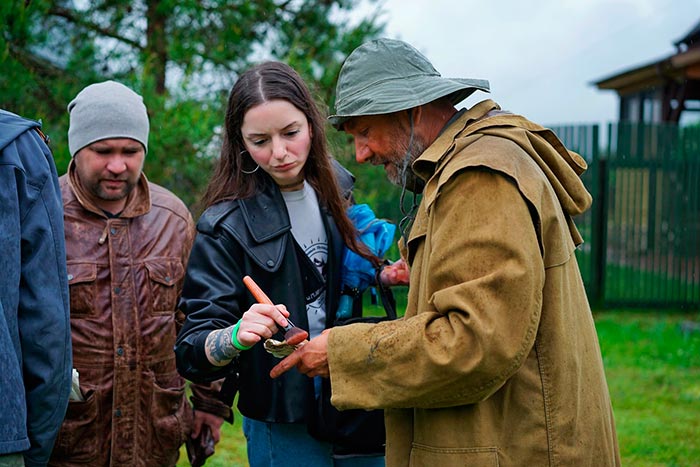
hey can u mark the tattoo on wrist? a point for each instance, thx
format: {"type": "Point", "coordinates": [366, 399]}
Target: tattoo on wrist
{"type": "Point", "coordinates": [219, 348]}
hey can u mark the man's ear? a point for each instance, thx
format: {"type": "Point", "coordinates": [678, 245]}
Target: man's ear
{"type": "Point", "coordinates": [417, 113]}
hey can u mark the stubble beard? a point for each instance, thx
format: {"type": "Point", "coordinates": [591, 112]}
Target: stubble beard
{"type": "Point", "coordinates": [399, 170]}
{"type": "Point", "coordinates": [100, 193]}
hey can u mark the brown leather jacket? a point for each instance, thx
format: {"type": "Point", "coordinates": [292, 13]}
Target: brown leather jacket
{"type": "Point", "coordinates": [125, 275]}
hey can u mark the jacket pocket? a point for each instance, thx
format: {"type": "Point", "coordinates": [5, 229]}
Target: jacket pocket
{"type": "Point", "coordinates": [428, 456]}
{"type": "Point", "coordinates": [77, 439]}
{"type": "Point", "coordinates": [81, 279]}
{"type": "Point", "coordinates": [164, 276]}
{"type": "Point", "coordinates": [171, 418]}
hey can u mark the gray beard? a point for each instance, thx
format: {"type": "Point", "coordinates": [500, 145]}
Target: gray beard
{"type": "Point", "coordinates": [409, 181]}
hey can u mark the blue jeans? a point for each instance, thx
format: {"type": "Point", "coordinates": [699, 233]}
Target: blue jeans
{"type": "Point", "coordinates": [290, 445]}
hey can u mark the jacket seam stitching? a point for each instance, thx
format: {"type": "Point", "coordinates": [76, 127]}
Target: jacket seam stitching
{"type": "Point", "coordinates": [546, 407]}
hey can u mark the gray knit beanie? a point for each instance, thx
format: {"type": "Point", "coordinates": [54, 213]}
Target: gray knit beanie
{"type": "Point", "coordinates": [106, 110]}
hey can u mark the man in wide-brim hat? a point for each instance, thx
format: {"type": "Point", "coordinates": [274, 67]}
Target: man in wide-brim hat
{"type": "Point", "coordinates": [496, 361]}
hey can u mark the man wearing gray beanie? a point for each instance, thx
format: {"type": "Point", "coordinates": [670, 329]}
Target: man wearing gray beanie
{"type": "Point", "coordinates": [127, 245]}
{"type": "Point", "coordinates": [106, 110]}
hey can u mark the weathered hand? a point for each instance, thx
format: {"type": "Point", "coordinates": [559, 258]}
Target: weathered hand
{"type": "Point", "coordinates": [311, 359]}
{"type": "Point", "coordinates": [395, 274]}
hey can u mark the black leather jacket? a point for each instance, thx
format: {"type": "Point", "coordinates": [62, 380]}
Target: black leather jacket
{"type": "Point", "coordinates": [252, 237]}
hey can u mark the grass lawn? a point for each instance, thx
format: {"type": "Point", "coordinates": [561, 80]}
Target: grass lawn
{"type": "Point", "coordinates": [653, 372]}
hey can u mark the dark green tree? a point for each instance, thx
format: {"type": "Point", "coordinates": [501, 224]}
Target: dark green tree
{"type": "Point", "coordinates": [182, 55]}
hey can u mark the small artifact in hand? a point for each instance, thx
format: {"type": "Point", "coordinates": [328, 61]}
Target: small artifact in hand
{"type": "Point", "coordinates": [279, 349]}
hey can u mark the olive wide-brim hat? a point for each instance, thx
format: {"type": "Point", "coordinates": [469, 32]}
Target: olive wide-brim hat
{"type": "Point", "coordinates": [386, 75]}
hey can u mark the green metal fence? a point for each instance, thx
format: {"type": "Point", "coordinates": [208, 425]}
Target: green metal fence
{"type": "Point", "coordinates": [642, 234]}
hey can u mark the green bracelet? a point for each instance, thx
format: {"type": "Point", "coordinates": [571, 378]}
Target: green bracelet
{"type": "Point", "coordinates": [234, 338]}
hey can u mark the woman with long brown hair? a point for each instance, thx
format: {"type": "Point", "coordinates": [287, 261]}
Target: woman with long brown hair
{"type": "Point", "coordinates": [275, 211]}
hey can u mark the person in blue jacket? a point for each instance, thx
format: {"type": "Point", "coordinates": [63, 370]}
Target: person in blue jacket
{"type": "Point", "coordinates": [35, 340]}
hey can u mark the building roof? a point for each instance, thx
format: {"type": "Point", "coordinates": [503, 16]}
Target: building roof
{"type": "Point", "coordinates": [691, 39]}
{"type": "Point", "coordinates": [678, 67]}
{"type": "Point", "coordinates": [681, 66]}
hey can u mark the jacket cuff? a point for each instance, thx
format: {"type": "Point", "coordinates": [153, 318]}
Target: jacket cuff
{"type": "Point", "coordinates": [214, 407]}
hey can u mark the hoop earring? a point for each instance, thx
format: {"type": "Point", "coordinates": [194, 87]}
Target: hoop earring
{"type": "Point", "coordinates": [248, 172]}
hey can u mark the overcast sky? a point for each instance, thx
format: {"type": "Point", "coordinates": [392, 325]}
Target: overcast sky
{"type": "Point", "coordinates": [542, 57]}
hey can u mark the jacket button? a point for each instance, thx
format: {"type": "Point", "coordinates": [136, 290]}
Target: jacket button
{"type": "Point", "coordinates": [117, 290]}
{"type": "Point", "coordinates": [70, 277]}
{"type": "Point", "coordinates": [270, 263]}
{"type": "Point", "coordinates": [113, 231]}
{"type": "Point", "coordinates": [167, 278]}
{"type": "Point", "coordinates": [118, 413]}
{"type": "Point", "coordinates": [120, 351]}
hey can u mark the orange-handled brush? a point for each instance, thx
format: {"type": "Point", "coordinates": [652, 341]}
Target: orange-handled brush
{"type": "Point", "coordinates": [292, 334]}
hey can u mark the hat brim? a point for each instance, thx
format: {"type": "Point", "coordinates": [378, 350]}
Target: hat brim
{"type": "Point", "coordinates": [396, 95]}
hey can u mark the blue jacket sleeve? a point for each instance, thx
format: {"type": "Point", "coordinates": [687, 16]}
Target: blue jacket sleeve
{"type": "Point", "coordinates": [43, 311]}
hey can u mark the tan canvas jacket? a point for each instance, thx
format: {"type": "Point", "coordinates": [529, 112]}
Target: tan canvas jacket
{"type": "Point", "coordinates": [125, 276]}
{"type": "Point", "coordinates": [497, 361]}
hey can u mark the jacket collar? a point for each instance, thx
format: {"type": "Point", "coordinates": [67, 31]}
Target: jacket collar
{"type": "Point", "coordinates": [561, 167]}
{"type": "Point", "coordinates": [137, 204]}
{"type": "Point", "coordinates": [425, 165]}
{"type": "Point", "coordinates": [265, 214]}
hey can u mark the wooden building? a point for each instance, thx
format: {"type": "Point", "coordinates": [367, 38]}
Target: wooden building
{"type": "Point", "coordinates": [662, 90]}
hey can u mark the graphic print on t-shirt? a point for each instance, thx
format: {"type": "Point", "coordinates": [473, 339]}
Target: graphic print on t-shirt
{"type": "Point", "coordinates": [310, 234]}
{"type": "Point", "coordinates": [317, 252]}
